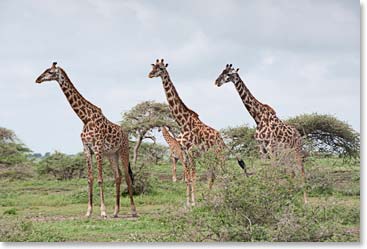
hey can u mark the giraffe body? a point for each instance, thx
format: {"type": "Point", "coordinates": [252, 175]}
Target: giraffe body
{"type": "Point", "coordinates": [99, 136]}
{"type": "Point", "coordinates": [194, 133]}
{"type": "Point", "coordinates": [176, 152]}
{"type": "Point", "coordinates": [272, 134]}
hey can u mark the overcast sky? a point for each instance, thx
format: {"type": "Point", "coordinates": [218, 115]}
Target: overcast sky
{"type": "Point", "coordinates": [297, 56]}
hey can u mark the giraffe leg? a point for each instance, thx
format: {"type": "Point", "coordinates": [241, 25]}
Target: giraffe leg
{"type": "Point", "coordinates": [100, 183]}
{"type": "Point", "coordinates": [188, 186]}
{"type": "Point", "coordinates": [193, 181]}
{"type": "Point", "coordinates": [181, 158]}
{"type": "Point", "coordinates": [117, 174]}
{"type": "Point", "coordinates": [192, 178]}
{"type": "Point", "coordinates": [300, 163]}
{"type": "Point", "coordinates": [174, 161]}
{"type": "Point", "coordinates": [124, 154]}
{"type": "Point", "coordinates": [211, 178]}
{"type": "Point", "coordinates": [88, 157]}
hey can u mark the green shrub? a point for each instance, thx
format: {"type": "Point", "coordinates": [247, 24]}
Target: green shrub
{"type": "Point", "coordinates": [11, 211]}
{"type": "Point", "coordinates": [267, 206]}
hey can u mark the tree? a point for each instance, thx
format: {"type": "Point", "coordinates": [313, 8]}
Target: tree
{"type": "Point", "coordinates": [12, 150]}
{"type": "Point", "coordinates": [240, 139]}
{"type": "Point", "coordinates": [142, 119]}
{"type": "Point", "coordinates": [62, 166]}
{"type": "Point", "coordinates": [153, 152]}
{"type": "Point", "coordinates": [327, 134]}
{"type": "Point", "coordinates": [15, 162]}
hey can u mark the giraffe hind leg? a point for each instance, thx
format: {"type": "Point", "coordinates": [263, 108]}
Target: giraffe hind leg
{"type": "Point", "coordinates": [114, 162]}
{"type": "Point", "coordinates": [124, 154]}
{"type": "Point", "coordinates": [100, 183]}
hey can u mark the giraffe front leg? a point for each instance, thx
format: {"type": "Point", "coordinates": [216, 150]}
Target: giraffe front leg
{"type": "Point", "coordinates": [211, 178]}
{"type": "Point", "coordinates": [188, 185]}
{"type": "Point", "coordinates": [174, 161]}
{"type": "Point", "coordinates": [300, 163]}
{"type": "Point", "coordinates": [193, 181]}
{"type": "Point", "coordinates": [88, 157]}
{"type": "Point", "coordinates": [100, 183]}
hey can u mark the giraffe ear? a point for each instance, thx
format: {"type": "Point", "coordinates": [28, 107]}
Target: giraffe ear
{"type": "Point", "coordinates": [166, 65]}
{"type": "Point", "coordinates": [237, 70]}
{"type": "Point", "coordinates": [152, 65]}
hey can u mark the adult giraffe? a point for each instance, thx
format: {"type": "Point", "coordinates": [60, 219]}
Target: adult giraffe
{"type": "Point", "coordinates": [193, 131]}
{"type": "Point", "coordinates": [272, 134]}
{"type": "Point", "coordinates": [100, 137]}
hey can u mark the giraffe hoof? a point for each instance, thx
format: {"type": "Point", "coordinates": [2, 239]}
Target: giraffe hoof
{"type": "Point", "coordinates": [115, 216]}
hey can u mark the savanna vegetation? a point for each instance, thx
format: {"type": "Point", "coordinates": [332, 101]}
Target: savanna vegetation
{"type": "Point", "coordinates": [44, 197]}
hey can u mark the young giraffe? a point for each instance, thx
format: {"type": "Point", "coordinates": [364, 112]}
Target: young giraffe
{"type": "Point", "coordinates": [271, 133]}
{"type": "Point", "coordinates": [193, 131]}
{"type": "Point", "coordinates": [176, 152]}
{"type": "Point", "coordinates": [100, 137]}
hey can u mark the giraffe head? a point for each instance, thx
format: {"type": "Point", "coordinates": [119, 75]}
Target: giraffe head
{"type": "Point", "coordinates": [157, 69]}
{"type": "Point", "coordinates": [227, 75]}
{"type": "Point", "coordinates": [49, 74]}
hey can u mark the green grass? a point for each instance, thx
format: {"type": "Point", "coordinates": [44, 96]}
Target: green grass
{"type": "Point", "coordinates": [51, 210]}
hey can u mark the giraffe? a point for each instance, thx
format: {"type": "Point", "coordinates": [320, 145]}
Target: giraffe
{"type": "Point", "coordinates": [100, 137]}
{"type": "Point", "coordinates": [194, 133]}
{"type": "Point", "coordinates": [176, 152]}
{"type": "Point", "coordinates": [271, 133]}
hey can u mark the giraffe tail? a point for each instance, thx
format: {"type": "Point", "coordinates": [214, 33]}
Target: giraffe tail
{"type": "Point", "coordinates": [242, 164]}
{"type": "Point", "coordinates": [131, 175]}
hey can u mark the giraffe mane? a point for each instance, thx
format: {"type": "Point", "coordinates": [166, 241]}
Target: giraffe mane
{"type": "Point", "coordinates": [183, 103]}
{"type": "Point", "coordinates": [270, 108]}
{"type": "Point", "coordinates": [87, 101]}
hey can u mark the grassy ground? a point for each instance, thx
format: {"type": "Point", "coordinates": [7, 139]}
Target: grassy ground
{"type": "Point", "coordinates": [50, 210]}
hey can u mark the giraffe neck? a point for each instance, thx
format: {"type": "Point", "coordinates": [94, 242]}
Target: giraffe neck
{"type": "Point", "coordinates": [251, 103]}
{"type": "Point", "coordinates": [181, 113]}
{"type": "Point", "coordinates": [166, 135]}
{"type": "Point", "coordinates": [82, 107]}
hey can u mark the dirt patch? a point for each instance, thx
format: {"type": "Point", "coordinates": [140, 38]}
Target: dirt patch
{"type": "Point", "coordinates": [70, 218]}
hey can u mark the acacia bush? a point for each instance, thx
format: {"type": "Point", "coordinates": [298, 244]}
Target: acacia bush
{"type": "Point", "coordinates": [240, 140]}
{"type": "Point", "coordinates": [62, 166]}
{"type": "Point", "coordinates": [15, 160]}
{"type": "Point", "coordinates": [328, 135]}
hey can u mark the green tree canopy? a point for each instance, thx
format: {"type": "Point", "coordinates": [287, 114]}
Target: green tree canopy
{"type": "Point", "coordinates": [327, 134]}
{"type": "Point", "coordinates": [12, 150]}
{"type": "Point", "coordinates": [142, 119]}
{"type": "Point", "coordinates": [62, 166]}
{"type": "Point", "coordinates": [240, 139]}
